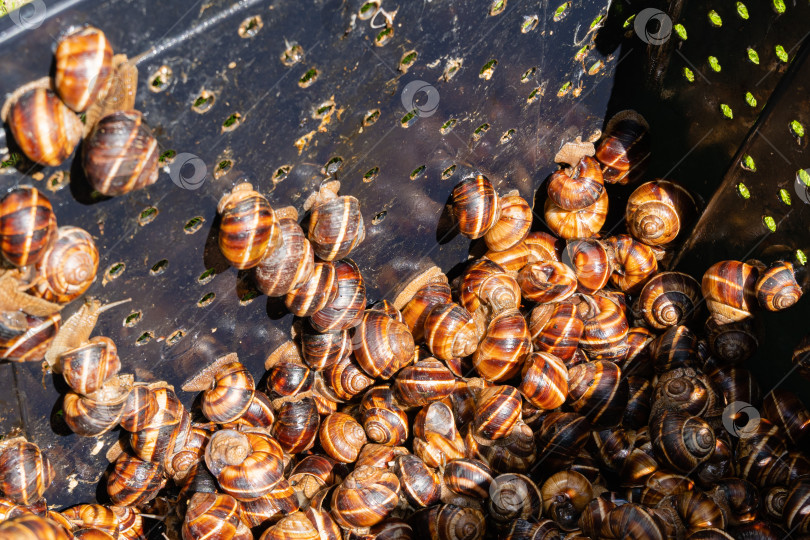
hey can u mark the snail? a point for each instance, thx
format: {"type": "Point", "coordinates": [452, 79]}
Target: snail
{"type": "Point", "coordinates": [497, 410]}
{"type": "Point", "coordinates": [27, 226]}
{"type": "Point", "coordinates": [420, 484]}
{"type": "Point", "coordinates": [469, 477]}
{"type": "Point", "coordinates": [676, 347]}
{"type": "Point", "coordinates": [632, 522]}
{"type": "Point", "coordinates": [543, 247]}
{"type": "Point", "coordinates": [93, 516]}
{"type": "Point", "coordinates": [345, 379]}
{"type": "Point", "coordinates": [776, 288]}
{"type": "Point", "coordinates": [578, 187]}
{"type": "Point", "coordinates": [669, 299]}
{"type": "Point", "coordinates": [296, 426]}
{"type": "Point", "coordinates": [335, 224]}
{"type": "Point", "coordinates": [591, 263]}
{"type": "Point", "coordinates": [637, 413]}
{"type": "Point", "coordinates": [424, 382]}
{"type": "Point", "coordinates": [295, 525]}
{"type": "Point", "coordinates": [565, 495]}
{"type": "Point", "coordinates": [732, 343]}
{"type": "Point", "coordinates": [560, 438]}
{"type": "Point", "coordinates": [485, 289]}
{"type": "Point", "coordinates": [84, 67]}
{"type": "Point", "coordinates": [420, 296]}
{"type": "Point", "coordinates": [246, 464]}
{"type": "Point", "coordinates": [314, 473]}
{"type": "Point", "coordinates": [605, 329]}
{"type": "Point", "coordinates": [321, 350]}
{"type": "Point", "coordinates": [45, 129]}
{"type": "Point", "coordinates": [366, 497]}
{"type": "Point", "coordinates": [547, 282]}
{"type": "Point", "coordinates": [786, 410]}
{"type": "Point", "coordinates": [214, 515]}
{"type": "Point", "coordinates": [556, 329]}
{"type": "Point", "coordinates": [512, 259]}
{"type": "Point", "coordinates": [475, 206]}
{"type": "Point", "coordinates": [380, 456]}
{"type": "Point", "coordinates": [681, 441]}
{"type": "Point", "coordinates": [230, 394]}
{"type": "Point", "coordinates": [801, 357]}
{"type": "Point", "coordinates": [342, 437]}
{"type": "Point", "coordinates": [450, 331]}
{"type": "Point", "coordinates": [544, 381]}
{"type": "Point", "coordinates": [120, 154]}
{"type": "Point", "coordinates": [581, 223]}
{"type": "Point", "coordinates": [729, 288]}
{"type": "Point", "coordinates": [514, 497]}
{"type": "Point", "coordinates": [315, 293]}
{"type": "Point", "coordinates": [624, 148]}
{"type": "Point", "coordinates": [346, 309]}
{"type": "Point", "coordinates": [164, 434]}
{"type": "Point", "coordinates": [503, 348]}
{"type": "Point", "coordinates": [287, 378]}
{"type": "Point", "coordinates": [633, 263]}
{"type": "Point", "coordinates": [513, 223]}
{"type": "Point", "coordinates": [25, 472]}
{"type": "Point", "coordinates": [597, 391]}
{"type": "Point", "coordinates": [134, 481]}
{"type": "Point", "coordinates": [99, 412]}
{"type": "Point", "coordinates": [516, 453]}
{"type": "Point", "coordinates": [384, 421]}
{"type": "Point", "coordinates": [658, 211]}
{"type": "Point", "coordinates": [436, 439]}
{"type": "Point", "coordinates": [289, 266]}
{"type": "Point", "coordinates": [33, 527]}
{"type": "Point", "coordinates": [68, 266]}
{"type": "Point", "coordinates": [250, 230]}
{"type": "Point", "coordinates": [450, 521]}
{"type": "Point", "coordinates": [382, 345]}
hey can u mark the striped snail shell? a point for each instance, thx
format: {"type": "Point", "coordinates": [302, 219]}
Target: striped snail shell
{"type": "Point", "coordinates": [503, 348]}
{"type": "Point", "coordinates": [321, 350]}
{"type": "Point", "coordinates": [486, 283]}
{"type": "Point", "coordinates": [346, 309]}
{"type": "Point", "coordinates": [631, 521]}
{"type": "Point", "coordinates": [158, 439]}
{"type": "Point", "coordinates": [469, 477]}
{"type": "Point", "coordinates": [512, 259]}
{"type": "Point", "coordinates": [290, 265]}
{"type": "Point", "coordinates": [547, 282]}
{"type": "Point", "coordinates": [681, 441]}
{"type": "Point", "coordinates": [598, 391]}
{"type": "Point", "coordinates": [591, 263]}
{"type": "Point", "coordinates": [687, 390]}
{"type": "Point", "coordinates": [120, 155]}
{"type": "Point", "coordinates": [736, 384]}
{"type": "Point", "coordinates": [25, 472]}
{"type": "Point", "coordinates": [577, 187]}
{"type": "Point", "coordinates": [560, 438]}
{"type": "Point", "coordinates": [624, 148]}
{"type": "Point", "coordinates": [448, 521]}
{"type": "Point", "coordinates": [264, 511]}
{"type": "Point", "coordinates": [191, 455]}
{"type": "Point", "coordinates": [379, 456]}
{"type": "Point", "coordinates": [342, 437]}
{"type": "Point", "coordinates": [68, 267]}
{"type": "Point", "coordinates": [556, 329]}
{"type": "Point", "coordinates": [732, 343]}
{"type": "Point", "coordinates": [786, 410]}
{"type": "Point", "coordinates": [321, 518]}
{"type": "Point", "coordinates": [517, 453]}
{"type": "Point", "coordinates": [638, 360]}
{"type": "Point", "coordinates": [633, 263]}
{"type": "Point", "coordinates": [419, 483]}
{"type": "Point", "coordinates": [565, 496]}
{"type": "Point", "coordinates": [475, 206]}
{"type": "Point", "coordinates": [429, 295]}
{"type": "Point", "coordinates": [247, 465]}
{"type": "Point", "coordinates": [88, 366]}
{"type": "Point", "coordinates": [27, 226]}
{"type": "Point", "coordinates": [382, 345]}
{"type": "Point", "coordinates": [313, 473]}
{"type": "Point", "coordinates": [296, 426]}
{"type": "Point", "coordinates": [295, 525]}
{"type": "Point", "coordinates": [98, 412]}
{"type": "Point", "coordinates": [83, 67]}
{"type": "Point", "coordinates": [582, 223]}
{"type": "Point", "coordinates": [93, 516]}
{"type": "Point", "coordinates": [544, 381]}
{"type": "Point", "coordinates": [543, 246]}
{"type": "Point", "coordinates": [214, 515]}
{"type": "Point", "coordinates": [335, 224]}
{"type": "Point", "coordinates": [45, 129]}
{"type": "Point", "coordinates": [249, 230]}
{"type": "Point", "coordinates": [637, 413]}
{"type": "Point", "coordinates": [604, 335]}
{"type": "Point", "coordinates": [130, 522]}
{"type": "Point", "coordinates": [450, 331]}
{"type": "Point", "coordinates": [590, 521]}
{"type": "Point", "coordinates": [676, 347]}
{"type": "Point", "coordinates": [497, 409]}
{"type": "Point", "coordinates": [424, 382]}
{"type": "Point", "coordinates": [387, 308]}
{"type": "Point", "coordinates": [133, 481]}
{"type": "Point", "coordinates": [436, 439]}
{"type": "Point", "coordinates": [366, 497]}
{"type": "Point", "coordinates": [729, 290]}
{"type": "Point", "coordinates": [658, 211]}
{"type": "Point", "coordinates": [514, 220]}
{"type": "Point", "coordinates": [230, 395]}
{"type": "Point", "coordinates": [33, 527]}
{"type": "Point", "coordinates": [698, 511]}
{"type": "Point", "coordinates": [669, 299]}
{"type": "Point", "coordinates": [384, 421]}
{"type": "Point", "coordinates": [513, 497]}
{"type": "Point", "coordinates": [315, 293]}
{"type": "Point", "coordinates": [288, 379]}
{"type": "Point", "coordinates": [345, 379]}
{"type": "Point", "coordinates": [776, 288]}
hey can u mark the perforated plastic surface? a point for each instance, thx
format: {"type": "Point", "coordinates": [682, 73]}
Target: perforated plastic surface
{"type": "Point", "coordinates": [508, 117]}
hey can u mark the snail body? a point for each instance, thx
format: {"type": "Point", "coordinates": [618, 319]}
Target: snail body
{"type": "Point", "coordinates": [120, 154]}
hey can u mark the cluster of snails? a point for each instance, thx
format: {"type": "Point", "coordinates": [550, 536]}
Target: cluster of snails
{"type": "Point", "coordinates": [120, 154]}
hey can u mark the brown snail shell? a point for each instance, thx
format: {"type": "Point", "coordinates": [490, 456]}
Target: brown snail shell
{"type": "Point", "coordinates": [503, 348]}
{"type": "Point", "coordinates": [98, 412]}
{"type": "Point", "coordinates": [366, 497]}
{"type": "Point", "coordinates": [250, 230]}
{"type": "Point", "coordinates": [591, 263]}
{"type": "Point", "coordinates": [598, 391]}
{"type": "Point", "coordinates": [215, 515]}
{"type": "Point", "coordinates": [247, 465]}
{"type": "Point", "coordinates": [776, 288]}
{"type": "Point", "coordinates": [556, 329]}
{"type": "Point", "coordinates": [658, 211]}
{"type": "Point", "coordinates": [633, 263]}
{"type": "Point", "coordinates": [382, 345]}
{"type": "Point", "coordinates": [732, 343]}
{"type": "Point", "coordinates": [346, 309]}
{"type": "Point", "coordinates": [681, 441]}
{"type": "Point", "coordinates": [134, 481]}
{"type": "Point", "coordinates": [547, 282]}
{"type": "Point", "coordinates": [45, 129]}
{"type": "Point", "coordinates": [87, 367]}
{"type": "Point", "coordinates": [33, 527]}
{"type": "Point", "coordinates": [230, 395]}
{"type": "Point", "coordinates": [336, 224]}
{"type": "Point", "coordinates": [290, 265]}
{"type": "Point", "coordinates": [624, 148]}
{"type": "Point", "coordinates": [513, 223]}
{"type": "Point", "coordinates": [315, 293]}
{"type": "Point", "coordinates": [27, 226]}
{"type": "Point", "coordinates": [83, 67]}
{"type": "Point", "coordinates": [604, 334]}
{"type": "Point", "coordinates": [565, 496]}
{"type": "Point", "coordinates": [419, 483]}
{"type": "Point", "coordinates": [435, 437]}
{"type": "Point", "coordinates": [497, 410]}
{"type": "Point", "coordinates": [384, 421]}
{"type": "Point", "coordinates": [25, 472]}
{"type": "Point", "coordinates": [469, 477]}
{"type": "Point", "coordinates": [486, 285]}
{"type": "Point", "coordinates": [450, 331]}
{"type": "Point", "coordinates": [68, 267]}
{"type": "Point", "coordinates": [544, 381]}
{"type": "Point", "coordinates": [543, 246]}
{"type": "Point", "coordinates": [669, 299]}
{"type": "Point", "coordinates": [729, 290]}
{"type": "Point", "coordinates": [475, 206]}
{"type": "Point", "coordinates": [321, 350]}
{"type": "Point", "coordinates": [577, 187]}
{"type": "Point", "coordinates": [120, 154]}
{"type": "Point", "coordinates": [582, 223]}
{"type": "Point", "coordinates": [342, 437]}
{"type": "Point", "coordinates": [296, 426]}
{"type": "Point", "coordinates": [424, 382]}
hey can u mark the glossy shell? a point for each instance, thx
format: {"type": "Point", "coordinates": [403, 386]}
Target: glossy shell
{"type": "Point", "coordinates": [27, 226]}
{"type": "Point", "coordinates": [336, 227]}
{"type": "Point", "coordinates": [68, 267]}
{"type": "Point", "coordinates": [658, 211]}
{"type": "Point", "coordinates": [249, 230]}
{"type": "Point", "coordinates": [45, 129]}
{"type": "Point", "coordinates": [475, 206]}
{"type": "Point", "coordinates": [669, 299]}
{"type": "Point", "coordinates": [512, 225]}
{"type": "Point", "coordinates": [287, 267]}
{"type": "Point", "coordinates": [578, 187]}
{"type": "Point", "coordinates": [83, 67]}
{"type": "Point", "coordinates": [346, 309]}
{"type": "Point", "coordinates": [582, 223]}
